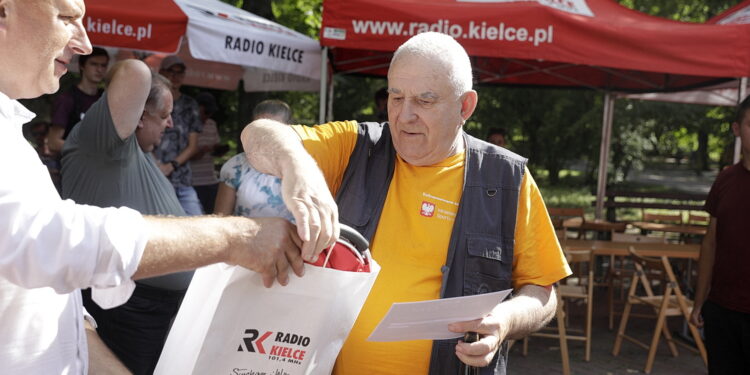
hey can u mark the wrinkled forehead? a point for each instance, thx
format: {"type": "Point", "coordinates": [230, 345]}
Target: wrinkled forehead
{"type": "Point", "coordinates": [430, 64]}
{"type": "Point", "coordinates": [419, 76]}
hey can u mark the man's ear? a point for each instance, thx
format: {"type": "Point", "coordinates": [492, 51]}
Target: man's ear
{"type": "Point", "coordinates": [3, 16]}
{"type": "Point", "coordinates": [736, 129]}
{"type": "Point", "coordinates": [468, 104]}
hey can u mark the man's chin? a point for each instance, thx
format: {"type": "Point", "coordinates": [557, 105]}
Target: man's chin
{"type": "Point", "coordinates": [52, 86]}
{"type": "Point", "coordinates": [35, 93]}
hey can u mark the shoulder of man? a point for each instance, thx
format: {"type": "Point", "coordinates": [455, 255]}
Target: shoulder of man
{"type": "Point", "coordinates": [487, 148]}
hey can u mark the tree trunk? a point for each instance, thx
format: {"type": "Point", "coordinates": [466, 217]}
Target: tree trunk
{"type": "Point", "coordinates": [703, 151]}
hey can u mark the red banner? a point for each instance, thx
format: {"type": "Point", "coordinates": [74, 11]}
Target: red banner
{"type": "Point", "coordinates": [526, 36]}
{"type": "Point", "coordinates": [148, 25]}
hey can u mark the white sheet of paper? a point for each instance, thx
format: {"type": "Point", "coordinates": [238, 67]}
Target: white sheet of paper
{"type": "Point", "coordinates": [428, 320]}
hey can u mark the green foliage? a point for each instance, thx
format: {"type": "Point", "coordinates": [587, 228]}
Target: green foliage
{"type": "Point", "coordinates": [680, 10]}
{"type": "Point", "coordinates": [304, 16]}
{"type": "Point", "coordinates": [553, 128]}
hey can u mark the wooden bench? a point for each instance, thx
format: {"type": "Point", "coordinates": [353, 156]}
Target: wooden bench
{"type": "Point", "coordinates": [677, 201]}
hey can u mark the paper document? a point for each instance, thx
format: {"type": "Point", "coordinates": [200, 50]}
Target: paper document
{"type": "Point", "coordinates": [428, 320]}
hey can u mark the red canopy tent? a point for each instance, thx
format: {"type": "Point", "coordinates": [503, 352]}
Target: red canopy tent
{"type": "Point", "coordinates": [573, 43]}
{"type": "Point", "coordinates": [225, 42]}
{"type": "Point", "coordinates": [156, 26]}
{"type": "Point", "coordinates": [556, 43]}
{"type": "Point", "coordinates": [724, 94]}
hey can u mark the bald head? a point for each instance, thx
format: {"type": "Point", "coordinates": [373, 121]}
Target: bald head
{"type": "Point", "coordinates": [443, 52]}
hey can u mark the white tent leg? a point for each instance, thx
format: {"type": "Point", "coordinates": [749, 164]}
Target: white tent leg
{"type": "Point", "coordinates": [601, 188]}
{"type": "Point", "coordinates": [740, 95]}
{"type": "Point", "coordinates": [329, 118]}
{"type": "Point", "coordinates": [323, 85]}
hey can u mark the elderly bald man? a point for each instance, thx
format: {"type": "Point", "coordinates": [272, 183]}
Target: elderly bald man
{"type": "Point", "coordinates": [50, 248]}
{"type": "Point", "coordinates": [447, 214]}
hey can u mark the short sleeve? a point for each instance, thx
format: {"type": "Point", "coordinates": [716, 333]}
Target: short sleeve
{"type": "Point", "coordinates": [538, 258]}
{"type": "Point", "coordinates": [231, 172]}
{"type": "Point", "coordinates": [330, 145]}
{"type": "Point", "coordinates": [97, 135]}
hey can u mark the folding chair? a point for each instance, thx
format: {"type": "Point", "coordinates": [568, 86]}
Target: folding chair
{"type": "Point", "coordinates": [671, 303]}
{"type": "Point", "coordinates": [559, 215]}
{"type": "Point", "coordinates": [620, 269]}
{"type": "Point", "coordinates": [580, 286]}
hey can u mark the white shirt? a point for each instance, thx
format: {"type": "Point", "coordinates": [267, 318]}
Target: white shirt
{"type": "Point", "coordinates": [49, 249]}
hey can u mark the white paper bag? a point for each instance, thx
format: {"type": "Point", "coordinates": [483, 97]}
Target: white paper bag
{"type": "Point", "coordinates": [230, 324]}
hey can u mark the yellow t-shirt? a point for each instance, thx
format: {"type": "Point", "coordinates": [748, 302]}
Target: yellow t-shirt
{"type": "Point", "coordinates": [411, 245]}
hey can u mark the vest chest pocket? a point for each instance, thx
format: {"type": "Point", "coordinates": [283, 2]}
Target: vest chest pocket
{"type": "Point", "coordinates": [488, 266]}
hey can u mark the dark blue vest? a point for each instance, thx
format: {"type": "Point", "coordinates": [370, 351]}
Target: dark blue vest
{"type": "Point", "coordinates": [480, 252]}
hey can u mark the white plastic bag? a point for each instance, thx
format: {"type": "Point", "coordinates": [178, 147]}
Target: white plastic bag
{"type": "Point", "coordinates": [230, 324]}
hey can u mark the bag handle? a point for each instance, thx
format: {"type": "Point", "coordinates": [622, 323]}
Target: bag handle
{"type": "Point", "coordinates": [355, 238]}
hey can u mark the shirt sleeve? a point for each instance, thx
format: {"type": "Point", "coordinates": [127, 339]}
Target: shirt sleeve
{"type": "Point", "coordinates": [330, 145]}
{"type": "Point", "coordinates": [97, 135]}
{"type": "Point", "coordinates": [49, 242]}
{"type": "Point", "coordinates": [231, 171]}
{"type": "Point", "coordinates": [538, 258]}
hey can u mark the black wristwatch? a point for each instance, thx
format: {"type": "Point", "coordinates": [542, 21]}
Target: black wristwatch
{"type": "Point", "coordinates": [174, 163]}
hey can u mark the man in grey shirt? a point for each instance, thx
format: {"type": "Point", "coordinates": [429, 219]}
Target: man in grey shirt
{"type": "Point", "coordinates": [106, 168]}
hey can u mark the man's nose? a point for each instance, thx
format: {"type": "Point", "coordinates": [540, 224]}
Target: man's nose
{"type": "Point", "coordinates": [406, 113]}
{"type": "Point", "coordinates": [169, 122]}
{"type": "Point", "coordinates": [80, 42]}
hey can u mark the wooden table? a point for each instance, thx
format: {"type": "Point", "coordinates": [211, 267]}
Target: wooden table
{"type": "Point", "coordinates": [671, 250]}
{"type": "Point", "coordinates": [673, 228]}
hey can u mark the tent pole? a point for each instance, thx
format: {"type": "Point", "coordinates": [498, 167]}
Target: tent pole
{"type": "Point", "coordinates": [601, 188]}
{"type": "Point", "coordinates": [741, 93]}
{"type": "Point", "coordinates": [329, 116]}
{"type": "Point", "coordinates": [323, 85]}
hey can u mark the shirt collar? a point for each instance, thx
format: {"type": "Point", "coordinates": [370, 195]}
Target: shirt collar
{"type": "Point", "coordinates": [12, 111]}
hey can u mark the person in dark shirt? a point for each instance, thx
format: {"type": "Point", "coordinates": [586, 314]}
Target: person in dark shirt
{"type": "Point", "coordinates": [70, 106]}
{"type": "Point", "coordinates": [722, 296]}
{"type": "Point", "coordinates": [180, 142]}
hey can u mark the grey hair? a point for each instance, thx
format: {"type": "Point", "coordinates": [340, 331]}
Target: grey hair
{"type": "Point", "coordinates": [442, 49]}
{"type": "Point", "coordinates": [159, 84]}
{"type": "Point", "coordinates": [273, 108]}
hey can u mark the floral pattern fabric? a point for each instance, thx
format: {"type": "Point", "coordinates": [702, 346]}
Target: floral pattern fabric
{"type": "Point", "coordinates": [258, 194]}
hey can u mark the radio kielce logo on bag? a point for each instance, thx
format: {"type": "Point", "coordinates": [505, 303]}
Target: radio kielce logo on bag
{"type": "Point", "coordinates": [286, 347]}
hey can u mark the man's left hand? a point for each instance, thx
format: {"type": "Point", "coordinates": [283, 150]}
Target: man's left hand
{"type": "Point", "coordinates": [491, 332]}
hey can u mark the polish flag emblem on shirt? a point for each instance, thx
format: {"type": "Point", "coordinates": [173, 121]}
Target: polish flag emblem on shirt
{"type": "Point", "coordinates": [428, 209]}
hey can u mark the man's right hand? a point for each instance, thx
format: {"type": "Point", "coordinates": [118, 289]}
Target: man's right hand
{"type": "Point", "coordinates": [315, 212]}
{"type": "Point", "coordinates": [268, 246]}
{"type": "Point", "coordinates": [695, 316]}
